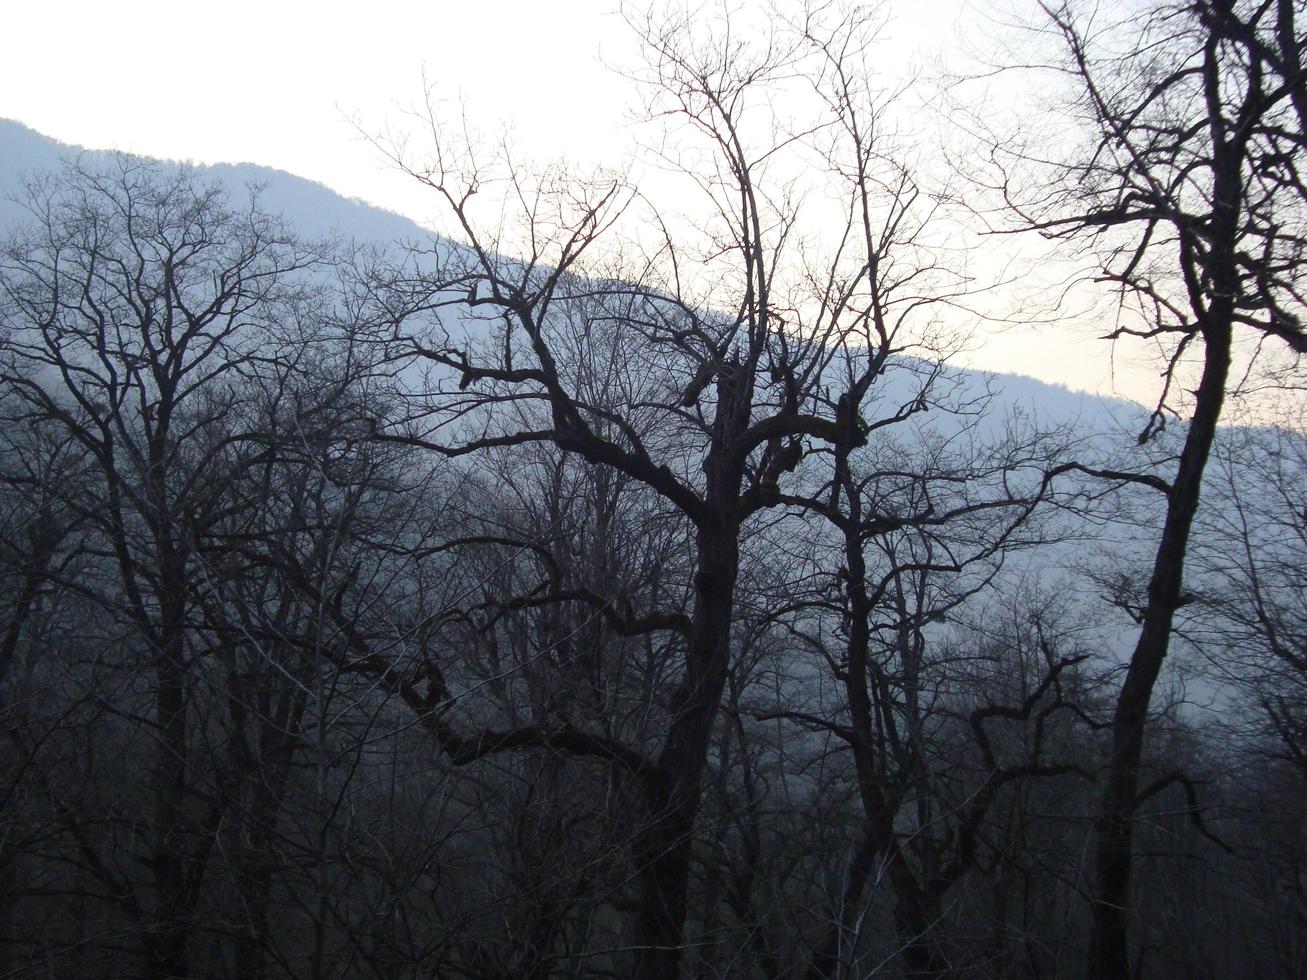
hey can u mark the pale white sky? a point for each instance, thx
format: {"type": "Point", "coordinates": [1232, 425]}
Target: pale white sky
{"type": "Point", "coordinates": [277, 82]}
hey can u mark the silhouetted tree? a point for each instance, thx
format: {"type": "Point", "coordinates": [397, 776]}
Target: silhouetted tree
{"type": "Point", "coordinates": [1186, 194]}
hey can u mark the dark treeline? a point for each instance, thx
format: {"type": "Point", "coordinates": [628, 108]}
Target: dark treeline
{"type": "Point", "coordinates": [606, 591]}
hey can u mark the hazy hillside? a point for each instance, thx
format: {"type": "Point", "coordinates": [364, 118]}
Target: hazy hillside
{"type": "Point", "coordinates": [316, 210]}
{"type": "Point", "coordinates": [313, 208]}
{"type": "Point", "coordinates": [1106, 428]}
{"type": "Point", "coordinates": [574, 629]}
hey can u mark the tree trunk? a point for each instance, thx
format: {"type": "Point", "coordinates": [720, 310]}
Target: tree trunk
{"type": "Point", "coordinates": [166, 944]}
{"type": "Point", "coordinates": [914, 907]}
{"type": "Point", "coordinates": [1109, 955]}
{"type": "Point", "coordinates": [663, 848]}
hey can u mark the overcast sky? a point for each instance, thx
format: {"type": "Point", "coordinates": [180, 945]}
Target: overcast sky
{"type": "Point", "coordinates": [280, 82]}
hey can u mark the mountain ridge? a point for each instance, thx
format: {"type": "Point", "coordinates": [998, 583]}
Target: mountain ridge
{"type": "Point", "coordinates": [316, 210]}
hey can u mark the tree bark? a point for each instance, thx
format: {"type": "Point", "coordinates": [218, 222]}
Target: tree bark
{"type": "Point", "coordinates": [664, 847]}
{"type": "Point", "coordinates": [166, 942]}
{"type": "Point", "coordinates": [1109, 957]}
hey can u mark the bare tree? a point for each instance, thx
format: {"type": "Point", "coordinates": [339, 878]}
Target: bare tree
{"type": "Point", "coordinates": [921, 528]}
{"type": "Point", "coordinates": [138, 308]}
{"type": "Point", "coordinates": [1252, 579]}
{"type": "Point", "coordinates": [1187, 194]}
{"type": "Point", "coordinates": [707, 389]}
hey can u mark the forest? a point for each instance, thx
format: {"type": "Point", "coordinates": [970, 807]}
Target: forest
{"type": "Point", "coordinates": [628, 581]}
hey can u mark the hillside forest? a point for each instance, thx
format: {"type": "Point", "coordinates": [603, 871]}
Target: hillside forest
{"type": "Point", "coordinates": [628, 580]}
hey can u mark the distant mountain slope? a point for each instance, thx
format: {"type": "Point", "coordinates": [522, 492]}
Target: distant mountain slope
{"type": "Point", "coordinates": [1111, 425]}
{"type": "Point", "coordinates": [313, 208]}
{"type": "Point", "coordinates": [316, 210]}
